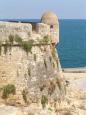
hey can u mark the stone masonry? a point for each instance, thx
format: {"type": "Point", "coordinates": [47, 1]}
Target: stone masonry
{"type": "Point", "coordinates": [36, 71]}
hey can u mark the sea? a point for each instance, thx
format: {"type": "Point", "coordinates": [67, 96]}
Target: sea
{"type": "Point", "coordinates": [72, 45]}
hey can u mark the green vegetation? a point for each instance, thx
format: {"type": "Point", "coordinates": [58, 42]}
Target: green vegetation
{"type": "Point", "coordinates": [45, 63]}
{"type": "Point", "coordinates": [58, 82]}
{"type": "Point", "coordinates": [6, 47]}
{"type": "Point", "coordinates": [27, 45]}
{"type": "Point", "coordinates": [34, 57]}
{"type": "Point", "coordinates": [11, 39]}
{"type": "Point", "coordinates": [29, 71]}
{"type": "Point", "coordinates": [54, 53]}
{"type": "Point", "coordinates": [18, 39]}
{"type": "Point", "coordinates": [50, 58]}
{"type": "Point", "coordinates": [55, 63]}
{"type": "Point", "coordinates": [7, 90]}
{"type": "Point", "coordinates": [44, 101]}
{"type": "Point", "coordinates": [51, 88]}
{"type": "Point", "coordinates": [24, 94]}
{"type": "Point", "coordinates": [0, 47]}
{"type": "Point", "coordinates": [50, 109]}
{"type": "Point", "coordinates": [46, 40]}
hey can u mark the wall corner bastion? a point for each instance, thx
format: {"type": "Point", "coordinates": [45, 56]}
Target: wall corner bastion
{"type": "Point", "coordinates": [28, 58]}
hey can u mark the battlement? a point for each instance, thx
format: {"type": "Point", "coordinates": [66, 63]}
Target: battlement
{"type": "Point", "coordinates": [29, 61]}
{"type": "Point", "coordinates": [28, 31]}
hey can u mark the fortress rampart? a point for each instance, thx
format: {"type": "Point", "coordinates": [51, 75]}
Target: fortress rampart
{"type": "Point", "coordinates": [28, 58]}
{"type": "Point", "coordinates": [27, 31]}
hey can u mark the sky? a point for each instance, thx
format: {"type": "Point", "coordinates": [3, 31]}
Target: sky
{"type": "Point", "coordinates": [33, 9]}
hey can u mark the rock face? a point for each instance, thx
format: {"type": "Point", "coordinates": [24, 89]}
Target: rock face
{"type": "Point", "coordinates": [29, 61]}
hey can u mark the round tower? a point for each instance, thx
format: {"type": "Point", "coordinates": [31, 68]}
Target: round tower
{"type": "Point", "coordinates": [51, 19]}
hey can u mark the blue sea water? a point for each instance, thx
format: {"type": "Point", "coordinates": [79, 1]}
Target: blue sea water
{"type": "Point", "coordinates": [72, 45]}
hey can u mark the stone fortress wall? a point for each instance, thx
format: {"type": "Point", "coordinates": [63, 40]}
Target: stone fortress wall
{"type": "Point", "coordinates": [34, 68]}
{"type": "Point", "coordinates": [25, 29]}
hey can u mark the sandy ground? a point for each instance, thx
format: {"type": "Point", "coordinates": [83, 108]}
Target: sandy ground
{"type": "Point", "coordinates": [76, 78]}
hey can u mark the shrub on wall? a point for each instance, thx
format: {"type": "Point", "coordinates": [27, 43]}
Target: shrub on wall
{"type": "Point", "coordinates": [29, 71]}
{"type": "Point", "coordinates": [34, 57]}
{"type": "Point", "coordinates": [0, 47]}
{"type": "Point", "coordinates": [51, 88]}
{"type": "Point", "coordinates": [58, 82]}
{"type": "Point", "coordinates": [24, 94]}
{"type": "Point", "coordinates": [47, 39]}
{"type": "Point", "coordinates": [6, 46]}
{"type": "Point", "coordinates": [44, 101]}
{"type": "Point", "coordinates": [18, 39]}
{"type": "Point", "coordinates": [45, 63]}
{"type": "Point", "coordinates": [11, 39]}
{"type": "Point", "coordinates": [7, 90]}
{"type": "Point", "coordinates": [50, 58]}
{"type": "Point", "coordinates": [27, 45]}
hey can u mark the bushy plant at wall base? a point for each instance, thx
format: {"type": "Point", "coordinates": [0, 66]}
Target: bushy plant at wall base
{"type": "Point", "coordinates": [7, 90]}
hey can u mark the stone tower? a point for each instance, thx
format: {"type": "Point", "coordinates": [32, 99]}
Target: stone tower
{"type": "Point", "coordinates": [51, 19]}
{"type": "Point", "coordinates": [29, 60]}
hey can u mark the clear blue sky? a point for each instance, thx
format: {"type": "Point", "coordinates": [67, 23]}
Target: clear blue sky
{"type": "Point", "coordinates": [75, 9]}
